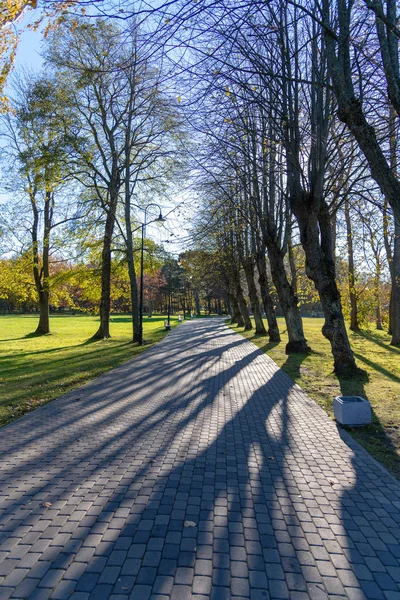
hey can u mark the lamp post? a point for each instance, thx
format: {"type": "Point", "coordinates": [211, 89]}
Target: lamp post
{"type": "Point", "coordinates": [169, 297]}
{"type": "Point", "coordinates": [160, 219]}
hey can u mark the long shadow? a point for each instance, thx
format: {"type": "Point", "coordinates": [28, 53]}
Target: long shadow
{"type": "Point", "coordinates": [87, 404]}
{"type": "Point", "coordinates": [211, 472]}
{"type": "Point", "coordinates": [376, 339]}
{"type": "Point", "coordinates": [292, 365]}
{"type": "Point", "coordinates": [50, 350]}
{"type": "Point", "coordinates": [367, 513]}
{"type": "Point", "coordinates": [127, 319]}
{"type": "Point", "coordinates": [377, 367]}
{"type": "Point", "coordinates": [375, 432]}
{"type": "Point", "coordinates": [354, 386]}
{"type": "Point", "coordinates": [269, 346]}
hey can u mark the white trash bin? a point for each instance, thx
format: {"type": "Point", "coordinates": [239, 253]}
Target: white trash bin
{"type": "Point", "coordinates": [353, 411]}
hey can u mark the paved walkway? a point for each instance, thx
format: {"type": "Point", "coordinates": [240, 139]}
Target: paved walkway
{"type": "Point", "coordinates": [197, 471]}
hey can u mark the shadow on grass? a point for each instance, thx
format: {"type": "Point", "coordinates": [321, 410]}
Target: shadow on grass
{"type": "Point", "coordinates": [375, 338]}
{"type": "Point", "coordinates": [128, 319]}
{"type": "Point", "coordinates": [373, 437]}
{"type": "Point", "coordinates": [377, 367]}
{"type": "Point", "coordinates": [292, 365]}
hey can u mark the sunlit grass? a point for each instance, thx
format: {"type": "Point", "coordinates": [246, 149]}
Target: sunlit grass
{"type": "Point", "coordinates": [314, 373]}
{"type": "Point", "coordinates": [34, 370]}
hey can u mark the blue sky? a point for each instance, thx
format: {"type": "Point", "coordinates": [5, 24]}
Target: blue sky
{"type": "Point", "coordinates": [29, 49]}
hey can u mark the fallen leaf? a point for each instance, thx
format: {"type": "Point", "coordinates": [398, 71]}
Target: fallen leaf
{"type": "Point", "coordinates": [46, 504]}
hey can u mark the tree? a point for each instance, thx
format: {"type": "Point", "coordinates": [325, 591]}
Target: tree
{"type": "Point", "coordinates": [127, 124]}
{"type": "Point", "coordinates": [38, 147]}
{"type": "Point", "coordinates": [352, 106]}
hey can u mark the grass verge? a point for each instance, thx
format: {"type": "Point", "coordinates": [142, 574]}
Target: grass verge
{"type": "Point", "coordinates": [381, 386]}
{"type": "Point", "coordinates": [37, 369]}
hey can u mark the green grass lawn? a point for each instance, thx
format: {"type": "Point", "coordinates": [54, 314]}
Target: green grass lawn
{"type": "Point", "coordinates": [381, 386]}
{"type": "Point", "coordinates": [34, 370]}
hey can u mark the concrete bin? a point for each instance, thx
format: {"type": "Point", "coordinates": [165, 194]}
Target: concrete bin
{"type": "Point", "coordinates": [352, 410]}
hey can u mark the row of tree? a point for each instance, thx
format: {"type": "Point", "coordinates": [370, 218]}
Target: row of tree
{"type": "Point", "coordinates": [291, 102]}
{"type": "Point", "coordinates": [292, 112]}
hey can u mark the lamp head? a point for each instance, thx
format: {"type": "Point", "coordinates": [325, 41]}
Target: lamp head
{"type": "Point", "coordinates": [160, 219]}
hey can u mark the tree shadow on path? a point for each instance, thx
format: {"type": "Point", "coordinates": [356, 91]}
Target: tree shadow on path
{"type": "Point", "coordinates": [209, 473]}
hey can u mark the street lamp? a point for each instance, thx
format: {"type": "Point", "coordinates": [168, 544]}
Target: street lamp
{"type": "Point", "coordinates": [160, 219]}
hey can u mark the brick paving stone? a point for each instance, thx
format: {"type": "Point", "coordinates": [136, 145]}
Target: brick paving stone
{"type": "Point", "coordinates": [25, 588]}
{"type": "Point", "coordinates": [197, 471]}
{"type": "Point", "coordinates": [63, 590]}
{"type": "Point", "coordinates": [140, 591]}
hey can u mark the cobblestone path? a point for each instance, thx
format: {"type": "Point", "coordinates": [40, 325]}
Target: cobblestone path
{"type": "Point", "coordinates": [197, 471]}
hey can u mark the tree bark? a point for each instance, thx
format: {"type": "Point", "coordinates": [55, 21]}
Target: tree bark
{"type": "Point", "coordinates": [103, 331]}
{"type": "Point", "coordinates": [236, 315]}
{"type": "Point", "coordinates": [395, 298]}
{"type": "Point", "coordinates": [314, 226]}
{"type": "Point", "coordinates": [44, 316]}
{"type": "Point", "coordinates": [243, 307]}
{"type": "Point", "coordinates": [288, 301]}
{"type": "Point", "coordinates": [273, 329]}
{"type": "Point", "coordinates": [128, 231]}
{"type": "Point", "coordinates": [41, 275]}
{"type": "Point", "coordinates": [197, 302]}
{"type": "Point", "coordinates": [248, 268]}
{"type": "Point", "coordinates": [134, 297]}
{"type": "Point", "coordinates": [292, 265]}
{"type": "Point", "coordinates": [354, 326]}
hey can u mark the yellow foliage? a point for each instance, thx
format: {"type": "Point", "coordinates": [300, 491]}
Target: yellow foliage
{"type": "Point", "coordinates": [10, 12]}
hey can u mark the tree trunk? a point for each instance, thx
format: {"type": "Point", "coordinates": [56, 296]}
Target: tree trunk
{"type": "Point", "coordinates": [315, 231]}
{"type": "Point", "coordinates": [128, 228]}
{"type": "Point", "coordinates": [378, 311]}
{"type": "Point", "coordinates": [236, 315]}
{"type": "Point", "coordinates": [41, 276]}
{"type": "Point", "coordinates": [103, 331]}
{"type": "Point", "coordinates": [243, 307]}
{"type": "Point", "coordinates": [44, 316]}
{"type": "Point", "coordinates": [197, 302]}
{"type": "Point", "coordinates": [132, 274]}
{"type": "Point", "coordinates": [292, 265]}
{"type": "Point", "coordinates": [134, 297]}
{"type": "Point", "coordinates": [389, 257]}
{"type": "Point", "coordinates": [395, 298]}
{"type": "Point", "coordinates": [248, 268]}
{"type": "Point", "coordinates": [334, 233]}
{"type": "Point", "coordinates": [352, 279]}
{"type": "Point", "coordinates": [227, 305]}
{"type": "Point", "coordinates": [273, 329]}
{"type": "Point", "coordinates": [288, 301]}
